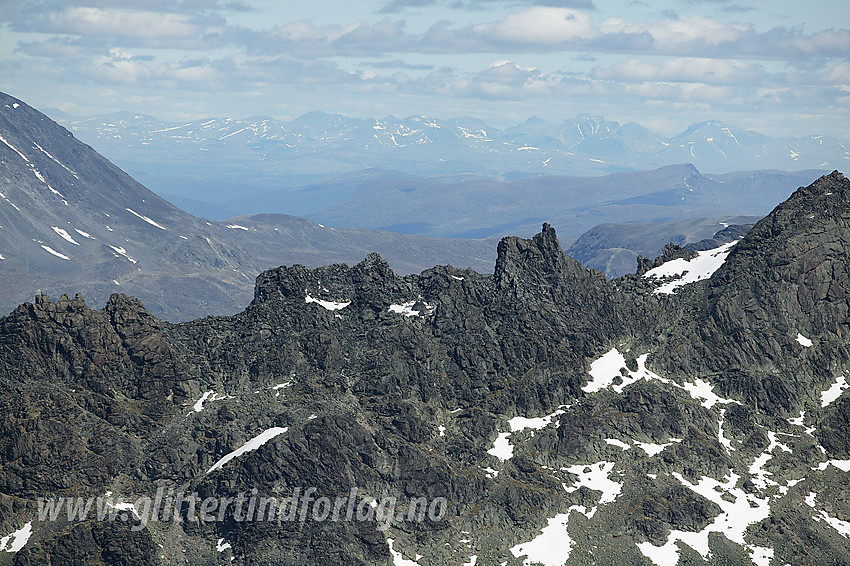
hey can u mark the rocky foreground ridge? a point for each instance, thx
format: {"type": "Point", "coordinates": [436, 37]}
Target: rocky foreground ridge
{"type": "Point", "coordinates": [564, 417]}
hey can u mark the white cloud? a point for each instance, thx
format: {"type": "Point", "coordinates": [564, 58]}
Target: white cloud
{"type": "Point", "coordinates": [302, 31]}
{"type": "Point", "coordinates": [119, 67]}
{"type": "Point", "coordinates": [685, 69]}
{"type": "Point", "coordinates": [680, 33]}
{"type": "Point", "coordinates": [540, 26]}
{"type": "Point", "coordinates": [117, 22]}
{"type": "Point", "coordinates": [838, 74]}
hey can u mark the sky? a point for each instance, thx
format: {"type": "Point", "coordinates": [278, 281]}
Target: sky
{"type": "Point", "coordinates": [780, 67]}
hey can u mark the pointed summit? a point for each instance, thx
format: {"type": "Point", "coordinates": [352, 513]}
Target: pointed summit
{"type": "Point", "coordinates": [789, 276]}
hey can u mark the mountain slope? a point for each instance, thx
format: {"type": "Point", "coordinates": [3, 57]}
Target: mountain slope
{"type": "Point", "coordinates": [789, 276]}
{"type": "Point", "coordinates": [72, 221]}
{"type": "Point", "coordinates": [565, 418]}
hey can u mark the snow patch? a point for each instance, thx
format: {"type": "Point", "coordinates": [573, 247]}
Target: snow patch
{"type": "Point", "coordinates": [237, 227]}
{"type": "Point", "coordinates": [604, 370]}
{"type": "Point", "coordinates": [843, 465]}
{"type": "Point", "coordinates": [690, 270]}
{"type": "Point", "coordinates": [329, 305]}
{"type": "Point", "coordinates": [119, 251]}
{"type": "Point", "coordinates": [145, 218]}
{"type": "Point", "coordinates": [65, 235]}
{"type": "Point", "coordinates": [725, 442]}
{"type": "Point", "coordinates": [799, 421]}
{"type": "Point", "coordinates": [595, 478]}
{"type": "Point", "coordinates": [50, 250]}
{"type": "Point", "coordinates": [618, 443]}
{"type": "Point", "coordinates": [519, 424]}
{"type": "Point", "coordinates": [407, 309]}
{"type": "Point", "coordinates": [760, 476]}
{"type": "Point", "coordinates": [701, 389]}
{"type": "Point", "coordinates": [280, 386]}
{"type": "Point", "coordinates": [655, 449]}
{"type": "Point", "coordinates": [552, 547]}
{"type": "Point", "coordinates": [208, 396]}
{"type": "Point", "coordinates": [84, 234]}
{"type": "Point", "coordinates": [834, 392]}
{"type": "Point", "coordinates": [732, 522]}
{"type": "Point", "coordinates": [398, 557]}
{"type": "Point", "coordinates": [16, 541]}
{"type": "Point", "coordinates": [221, 545]}
{"type": "Point", "coordinates": [804, 342]}
{"type": "Point", "coordinates": [502, 447]}
{"type": "Point", "coordinates": [252, 444]}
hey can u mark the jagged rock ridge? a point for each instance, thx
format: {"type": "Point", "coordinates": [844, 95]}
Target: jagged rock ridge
{"type": "Point", "coordinates": [436, 385]}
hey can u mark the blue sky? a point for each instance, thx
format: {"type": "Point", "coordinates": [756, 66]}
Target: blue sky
{"type": "Point", "coordinates": [780, 67]}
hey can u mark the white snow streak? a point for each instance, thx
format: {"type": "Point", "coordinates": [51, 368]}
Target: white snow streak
{"type": "Point", "coordinates": [50, 250]}
{"type": "Point", "coordinates": [13, 148]}
{"type": "Point", "coordinates": [122, 252]}
{"type": "Point", "coordinates": [65, 235]}
{"type": "Point", "coordinates": [145, 218]}
{"type": "Point", "coordinates": [252, 444]}
{"type": "Point", "coordinates": [45, 152]}
{"type": "Point", "coordinates": [843, 527]}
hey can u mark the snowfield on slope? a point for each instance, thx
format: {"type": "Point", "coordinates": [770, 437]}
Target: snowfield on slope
{"type": "Point", "coordinates": [690, 270]}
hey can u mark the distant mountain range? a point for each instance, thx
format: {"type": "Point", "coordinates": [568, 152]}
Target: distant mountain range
{"type": "Point", "coordinates": [71, 221]}
{"type": "Point", "coordinates": [481, 208]}
{"type": "Point", "coordinates": [201, 165]}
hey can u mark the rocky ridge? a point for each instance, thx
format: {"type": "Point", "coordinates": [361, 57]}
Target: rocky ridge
{"type": "Point", "coordinates": [541, 401]}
